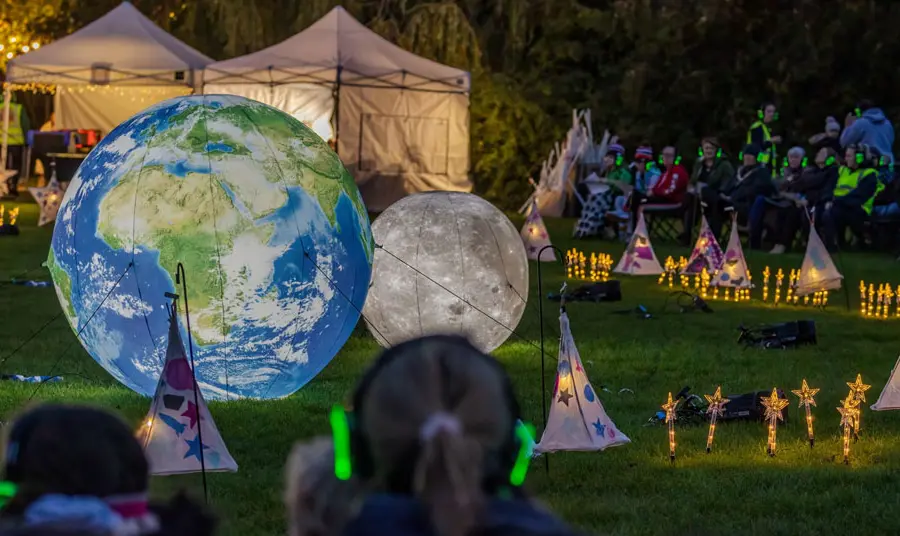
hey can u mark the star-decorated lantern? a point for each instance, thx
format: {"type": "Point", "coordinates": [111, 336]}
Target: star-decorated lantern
{"type": "Point", "coordinates": [858, 394]}
{"type": "Point", "coordinates": [715, 410]}
{"type": "Point", "coordinates": [774, 406]}
{"type": "Point", "coordinates": [49, 199]}
{"type": "Point", "coordinates": [806, 394]}
{"type": "Point", "coordinates": [577, 420]}
{"type": "Point", "coordinates": [669, 408]}
{"type": "Point", "coordinates": [179, 434]}
{"type": "Point", "coordinates": [534, 235]}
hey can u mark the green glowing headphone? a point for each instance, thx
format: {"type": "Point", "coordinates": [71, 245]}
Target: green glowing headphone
{"type": "Point", "coordinates": [620, 159]}
{"type": "Point", "coordinates": [830, 160]}
{"type": "Point", "coordinates": [700, 152]}
{"type": "Point", "coordinates": [857, 112]}
{"type": "Point", "coordinates": [677, 157]}
{"type": "Point", "coordinates": [784, 162]}
{"type": "Point", "coordinates": [352, 456]}
{"type": "Point", "coordinates": [761, 112]}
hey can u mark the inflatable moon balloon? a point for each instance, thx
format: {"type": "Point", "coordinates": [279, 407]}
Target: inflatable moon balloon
{"type": "Point", "coordinates": [446, 262]}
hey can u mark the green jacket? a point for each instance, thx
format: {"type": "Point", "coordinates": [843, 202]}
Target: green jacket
{"type": "Point", "coordinates": [620, 174]}
{"type": "Point", "coordinates": [716, 177]}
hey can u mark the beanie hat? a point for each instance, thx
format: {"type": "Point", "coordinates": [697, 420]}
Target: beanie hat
{"type": "Point", "coordinates": [797, 151]}
{"type": "Point", "coordinates": [831, 125]}
{"type": "Point", "coordinates": [752, 148]}
{"type": "Point", "coordinates": [615, 148]}
{"type": "Point", "coordinates": [643, 152]}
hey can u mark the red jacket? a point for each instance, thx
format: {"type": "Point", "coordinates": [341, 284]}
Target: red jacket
{"type": "Point", "coordinates": [672, 184]}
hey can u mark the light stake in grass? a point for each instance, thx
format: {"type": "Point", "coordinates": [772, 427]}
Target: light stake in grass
{"type": "Point", "coordinates": [779, 279]}
{"type": "Point", "coordinates": [774, 406]}
{"type": "Point", "coordinates": [849, 411]}
{"type": "Point", "coordinates": [857, 394]}
{"type": "Point", "coordinates": [870, 306]}
{"type": "Point", "coordinates": [765, 289]}
{"type": "Point", "coordinates": [862, 298]}
{"type": "Point", "coordinates": [806, 395]}
{"type": "Point", "coordinates": [715, 410]}
{"type": "Point", "coordinates": [669, 408]}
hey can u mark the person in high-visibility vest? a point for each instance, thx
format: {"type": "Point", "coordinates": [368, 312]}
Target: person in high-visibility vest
{"type": "Point", "coordinates": [760, 133]}
{"type": "Point", "coordinates": [853, 195]}
{"type": "Point", "coordinates": [15, 141]}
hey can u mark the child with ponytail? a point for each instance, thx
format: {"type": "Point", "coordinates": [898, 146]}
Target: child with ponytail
{"type": "Point", "coordinates": [434, 440]}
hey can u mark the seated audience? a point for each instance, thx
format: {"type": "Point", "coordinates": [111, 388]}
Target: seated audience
{"type": "Point", "coordinates": [867, 125]}
{"type": "Point", "coordinates": [751, 181]}
{"type": "Point", "coordinates": [80, 470]}
{"type": "Point", "coordinates": [436, 440]}
{"type": "Point", "coordinates": [603, 191]}
{"type": "Point", "coordinates": [850, 204]}
{"type": "Point", "coordinates": [669, 188]}
{"type": "Point", "coordinates": [711, 171]}
{"type": "Point", "coordinates": [830, 138]}
{"type": "Point", "coordinates": [795, 163]}
{"type": "Point", "coordinates": [805, 193]}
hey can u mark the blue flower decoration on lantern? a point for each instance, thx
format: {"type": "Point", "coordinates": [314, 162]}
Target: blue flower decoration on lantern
{"type": "Point", "coordinates": [724, 276]}
{"type": "Point", "coordinates": [588, 393]}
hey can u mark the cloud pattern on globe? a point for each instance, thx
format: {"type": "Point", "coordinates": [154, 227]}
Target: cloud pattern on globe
{"type": "Point", "coordinates": [270, 227]}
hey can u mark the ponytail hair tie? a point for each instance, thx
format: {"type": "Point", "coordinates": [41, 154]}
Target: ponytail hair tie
{"type": "Point", "coordinates": [439, 422]}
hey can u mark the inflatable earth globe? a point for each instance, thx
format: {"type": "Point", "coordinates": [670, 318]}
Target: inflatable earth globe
{"type": "Point", "coordinates": [269, 226]}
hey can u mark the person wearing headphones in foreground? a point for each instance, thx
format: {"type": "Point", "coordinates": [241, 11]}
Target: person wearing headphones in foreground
{"type": "Point", "coordinates": [79, 470]}
{"type": "Point", "coordinates": [435, 440]}
{"type": "Point", "coordinates": [850, 204]}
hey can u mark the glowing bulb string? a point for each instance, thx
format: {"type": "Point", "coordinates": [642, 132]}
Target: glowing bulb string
{"type": "Point", "coordinates": [82, 328]}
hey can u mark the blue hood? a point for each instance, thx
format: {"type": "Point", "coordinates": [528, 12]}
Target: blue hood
{"type": "Point", "coordinates": [873, 129]}
{"type": "Point", "coordinates": [405, 516]}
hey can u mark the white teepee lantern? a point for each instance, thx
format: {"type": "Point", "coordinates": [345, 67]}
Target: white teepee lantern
{"type": "Point", "coordinates": [733, 272]}
{"type": "Point", "coordinates": [890, 395]}
{"type": "Point", "coordinates": [171, 434]}
{"type": "Point", "coordinates": [577, 418]}
{"type": "Point", "coordinates": [535, 236]}
{"type": "Point", "coordinates": [818, 272]}
{"type": "Point", "coordinates": [639, 257]}
{"type": "Point", "coordinates": [706, 254]}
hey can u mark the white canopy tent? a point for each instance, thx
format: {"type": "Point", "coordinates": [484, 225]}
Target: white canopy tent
{"type": "Point", "coordinates": [401, 122]}
{"type": "Point", "coordinates": [108, 71]}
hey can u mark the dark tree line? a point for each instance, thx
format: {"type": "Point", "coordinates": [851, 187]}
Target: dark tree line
{"type": "Point", "coordinates": [662, 71]}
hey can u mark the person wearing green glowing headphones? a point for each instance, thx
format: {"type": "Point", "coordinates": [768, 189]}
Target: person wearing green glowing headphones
{"type": "Point", "coordinates": [851, 202]}
{"type": "Point", "coordinates": [434, 437]}
{"type": "Point", "coordinates": [760, 134]}
{"type": "Point", "coordinates": [712, 171]}
{"type": "Point", "coordinates": [806, 192]}
{"type": "Point", "coordinates": [868, 125]}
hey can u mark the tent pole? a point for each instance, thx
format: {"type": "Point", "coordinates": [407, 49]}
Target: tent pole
{"type": "Point", "coordinates": [7, 95]}
{"type": "Point", "coordinates": [337, 111]}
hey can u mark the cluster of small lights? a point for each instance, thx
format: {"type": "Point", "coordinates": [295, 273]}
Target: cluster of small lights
{"type": "Point", "coordinates": [595, 268]}
{"type": "Point", "coordinates": [12, 214]}
{"type": "Point", "coordinates": [816, 299]}
{"type": "Point", "coordinates": [806, 395]}
{"type": "Point", "coordinates": [701, 282]}
{"type": "Point", "coordinates": [774, 406]}
{"type": "Point", "coordinates": [16, 46]}
{"type": "Point", "coordinates": [669, 408]}
{"type": "Point", "coordinates": [32, 87]}
{"type": "Point", "coordinates": [715, 410]}
{"type": "Point", "coordinates": [875, 302]}
{"type": "Point", "coordinates": [670, 267]}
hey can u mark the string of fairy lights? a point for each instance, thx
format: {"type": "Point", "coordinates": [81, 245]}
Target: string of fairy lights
{"type": "Point", "coordinates": [16, 46]}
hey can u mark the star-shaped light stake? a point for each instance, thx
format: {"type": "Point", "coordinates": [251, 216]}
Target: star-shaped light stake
{"type": "Point", "coordinates": [773, 406]}
{"type": "Point", "coordinates": [669, 408]}
{"type": "Point", "coordinates": [858, 394]}
{"type": "Point", "coordinates": [49, 199]}
{"type": "Point", "coordinates": [849, 411]}
{"type": "Point", "coordinates": [806, 395]}
{"type": "Point", "coordinates": [715, 410]}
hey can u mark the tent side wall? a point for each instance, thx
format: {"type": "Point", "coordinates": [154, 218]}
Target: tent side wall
{"type": "Point", "coordinates": [312, 104]}
{"type": "Point", "coordinates": [396, 142]}
{"type": "Point", "coordinates": [105, 107]}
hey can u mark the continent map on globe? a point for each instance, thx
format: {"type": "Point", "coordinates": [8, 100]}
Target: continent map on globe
{"type": "Point", "coordinates": [269, 225]}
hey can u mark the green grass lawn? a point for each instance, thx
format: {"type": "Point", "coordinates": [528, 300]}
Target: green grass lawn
{"type": "Point", "coordinates": [627, 490]}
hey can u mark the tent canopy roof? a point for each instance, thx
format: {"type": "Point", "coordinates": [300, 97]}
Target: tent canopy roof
{"type": "Point", "coordinates": [124, 41]}
{"type": "Point", "coordinates": [338, 48]}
